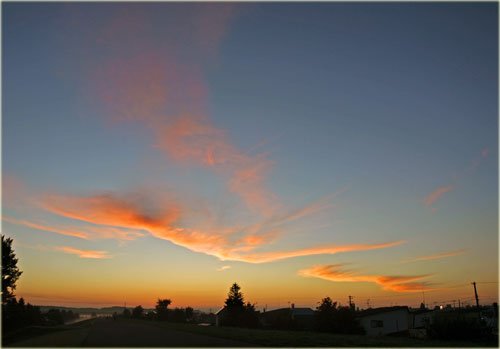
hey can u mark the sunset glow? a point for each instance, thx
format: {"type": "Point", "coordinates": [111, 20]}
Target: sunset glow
{"type": "Point", "coordinates": [168, 150]}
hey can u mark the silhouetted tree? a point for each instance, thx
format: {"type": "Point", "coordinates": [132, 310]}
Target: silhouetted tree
{"type": "Point", "coordinates": [162, 309]}
{"type": "Point", "coordinates": [10, 271]}
{"type": "Point", "coordinates": [126, 313]}
{"type": "Point", "coordinates": [33, 315]}
{"type": "Point", "coordinates": [137, 312]}
{"type": "Point", "coordinates": [189, 313]}
{"type": "Point", "coordinates": [345, 321]}
{"type": "Point", "coordinates": [55, 317]}
{"type": "Point", "coordinates": [234, 298]}
{"type": "Point", "coordinates": [460, 328]}
{"type": "Point", "coordinates": [15, 314]}
{"type": "Point", "coordinates": [239, 313]}
{"type": "Point", "coordinates": [250, 316]}
{"type": "Point", "coordinates": [331, 318]}
{"type": "Point", "coordinates": [178, 315]}
{"type": "Point", "coordinates": [325, 314]}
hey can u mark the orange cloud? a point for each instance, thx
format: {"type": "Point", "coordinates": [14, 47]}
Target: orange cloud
{"type": "Point", "coordinates": [239, 244]}
{"type": "Point", "coordinates": [112, 210]}
{"type": "Point", "coordinates": [85, 232]}
{"type": "Point", "coordinates": [438, 255]}
{"type": "Point", "coordinates": [84, 253]}
{"type": "Point", "coordinates": [67, 232]}
{"type": "Point", "coordinates": [437, 194]}
{"type": "Point", "coordinates": [334, 272]}
{"type": "Point", "coordinates": [333, 249]}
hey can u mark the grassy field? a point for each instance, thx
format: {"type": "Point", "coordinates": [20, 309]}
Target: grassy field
{"type": "Point", "coordinates": [274, 338]}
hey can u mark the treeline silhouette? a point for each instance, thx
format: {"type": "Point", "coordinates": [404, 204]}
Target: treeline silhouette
{"type": "Point", "coordinates": [239, 313]}
{"type": "Point", "coordinates": [160, 313]}
{"type": "Point", "coordinates": [460, 325]}
{"type": "Point", "coordinates": [328, 317]}
{"type": "Point", "coordinates": [17, 313]}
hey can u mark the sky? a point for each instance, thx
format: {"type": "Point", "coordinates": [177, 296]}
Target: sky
{"type": "Point", "coordinates": [302, 150]}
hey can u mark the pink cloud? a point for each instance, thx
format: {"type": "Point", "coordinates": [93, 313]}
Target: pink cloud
{"type": "Point", "coordinates": [441, 255]}
{"type": "Point", "coordinates": [437, 194]}
{"type": "Point", "coordinates": [334, 272]}
{"type": "Point", "coordinates": [167, 94]}
{"type": "Point", "coordinates": [169, 99]}
{"type": "Point", "coordinates": [484, 152]}
{"type": "Point", "coordinates": [84, 253]}
{"type": "Point", "coordinates": [440, 191]}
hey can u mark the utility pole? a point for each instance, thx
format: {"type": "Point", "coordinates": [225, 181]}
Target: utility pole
{"type": "Point", "coordinates": [423, 297]}
{"type": "Point", "coordinates": [475, 293]}
{"type": "Point", "coordinates": [350, 302]}
{"type": "Point", "coordinates": [477, 300]}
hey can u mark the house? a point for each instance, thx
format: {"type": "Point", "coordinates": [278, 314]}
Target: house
{"type": "Point", "coordinates": [288, 318]}
{"type": "Point", "coordinates": [422, 318]}
{"type": "Point", "coordinates": [386, 320]}
{"type": "Point", "coordinates": [220, 315]}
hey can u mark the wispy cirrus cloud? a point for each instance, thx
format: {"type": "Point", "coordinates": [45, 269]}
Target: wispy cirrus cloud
{"type": "Point", "coordinates": [224, 267]}
{"type": "Point", "coordinates": [92, 254]}
{"type": "Point", "coordinates": [477, 161]}
{"type": "Point", "coordinates": [43, 227]}
{"type": "Point", "coordinates": [329, 249]}
{"type": "Point", "coordinates": [85, 232]}
{"type": "Point", "coordinates": [440, 255]}
{"type": "Point", "coordinates": [161, 87]}
{"type": "Point", "coordinates": [337, 273]}
{"type": "Point", "coordinates": [437, 194]}
{"type": "Point", "coordinates": [165, 222]}
{"type": "Point", "coordinates": [168, 96]}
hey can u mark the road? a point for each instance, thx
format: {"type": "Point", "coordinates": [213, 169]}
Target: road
{"type": "Point", "coordinates": [126, 333]}
{"type": "Point", "coordinates": [107, 332]}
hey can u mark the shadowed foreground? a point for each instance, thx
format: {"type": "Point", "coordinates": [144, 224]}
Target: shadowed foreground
{"type": "Point", "coordinates": [125, 333]}
{"type": "Point", "coordinates": [142, 333]}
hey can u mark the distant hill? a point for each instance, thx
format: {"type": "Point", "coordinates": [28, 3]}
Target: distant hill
{"type": "Point", "coordinates": [105, 310]}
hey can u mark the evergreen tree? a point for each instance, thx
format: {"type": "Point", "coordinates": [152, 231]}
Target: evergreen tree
{"type": "Point", "coordinates": [10, 271]}
{"type": "Point", "coordinates": [234, 298]}
{"type": "Point", "coordinates": [239, 313]}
